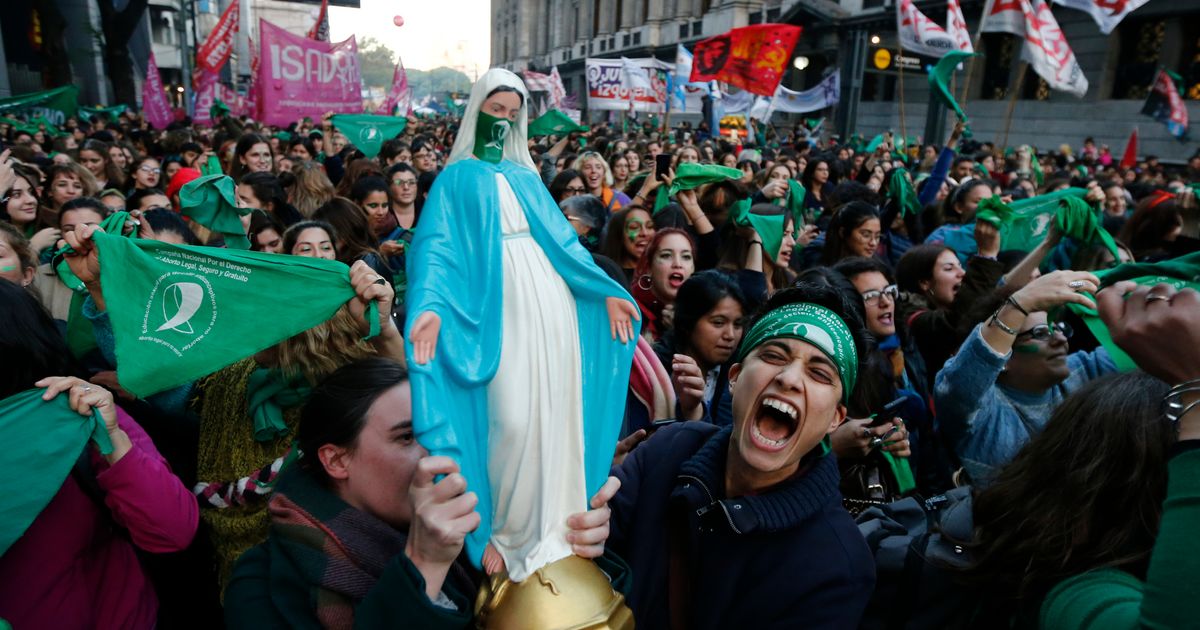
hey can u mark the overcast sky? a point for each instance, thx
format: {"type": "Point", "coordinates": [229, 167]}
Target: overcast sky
{"type": "Point", "coordinates": [455, 33]}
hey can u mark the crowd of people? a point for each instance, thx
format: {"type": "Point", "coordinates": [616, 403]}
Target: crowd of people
{"type": "Point", "coordinates": [826, 327]}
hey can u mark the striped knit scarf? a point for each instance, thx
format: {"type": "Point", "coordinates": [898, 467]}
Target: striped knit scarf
{"type": "Point", "coordinates": [337, 550]}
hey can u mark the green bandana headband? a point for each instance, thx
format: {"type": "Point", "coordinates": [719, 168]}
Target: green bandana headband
{"type": "Point", "coordinates": [768, 226]}
{"type": "Point", "coordinates": [490, 133]}
{"type": "Point", "coordinates": [812, 324]}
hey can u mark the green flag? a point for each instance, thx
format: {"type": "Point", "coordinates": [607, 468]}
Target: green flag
{"type": "Point", "coordinates": [218, 109]}
{"type": "Point", "coordinates": [555, 123]}
{"type": "Point", "coordinates": [368, 132]}
{"type": "Point", "coordinates": [110, 113]}
{"type": "Point", "coordinates": [211, 201]}
{"type": "Point", "coordinates": [1085, 224]}
{"type": "Point", "coordinates": [795, 199]}
{"type": "Point", "coordinates": [900, 191]}
{"type": "Point", "coordinates": [874, 144]}
{"type": "Point", "coordinates": [768, 226]}
{"type": "Point", "coordinates": [1024, 224]}
{"type": "Point", "coordinates": [45, 438]}
{"type": "Point", "coordinates": [939, 79]}
{"type": "Point", "coordinates": [1181, 273]}
{"type": "Point", "coordinates": [691, 175]}
{"type": "Point", "coordinates": [56, 105]}
{"type": "Point", "coordinates": [179, 312]}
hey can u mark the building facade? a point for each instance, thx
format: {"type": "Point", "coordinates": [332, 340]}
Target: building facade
{"type": "Point", "coordinates": [858, 39]}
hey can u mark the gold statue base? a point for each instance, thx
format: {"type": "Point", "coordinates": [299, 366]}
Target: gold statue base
{"type": "Point", "coordinates": [570, 593]}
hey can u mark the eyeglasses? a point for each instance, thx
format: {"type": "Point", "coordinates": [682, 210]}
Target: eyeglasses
{"type": "Point", "coordinates": [872, 296]}
{"type": "Point", "coordinates": [575, 190]}
{"type": "Point", "coordinates": [870, 237]}
{"type": "Point", "coordinates": [404, 183]}
{"type": "Point", "coordinates": [1043, 332]}
{"type": "Point", "coordinates": [150, 169]}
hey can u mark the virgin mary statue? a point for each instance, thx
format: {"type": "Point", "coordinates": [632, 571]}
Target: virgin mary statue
{"type": "Point", "coordinates": [519, 346]}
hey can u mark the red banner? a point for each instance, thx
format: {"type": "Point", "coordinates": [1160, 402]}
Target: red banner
{"type": "Point", "coordinates": [215, 51]}
{"type": "Point", "coordinates": [753, 58]}
{"type": "Point", "coordinates": [320, 30]}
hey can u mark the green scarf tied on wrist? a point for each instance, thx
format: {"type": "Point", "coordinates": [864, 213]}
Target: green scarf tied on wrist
{"type": "Point", "coordinates": [1180, 273]}
{"type": "Point", "coordinates": [813, 324]}
{"type": "Point", "coordinates": [768, 226]}
{"type": "Point", "coordinates": [45, 439]}
{"type": "Point", "coordinates": [490, 135]}
{"type": "Point", "coordinates": [268, 393]}
{"type": "Point", "coordinates": [900, 191]}
{"type": "Point", "coordinates": [211, 201]}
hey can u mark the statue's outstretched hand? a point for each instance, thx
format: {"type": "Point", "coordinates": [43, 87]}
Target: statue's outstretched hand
{"type": "Point", "coordinates": [424, 336]}
{"type": "Point", "coordinates": [589, 530]}
{"type": "Point", "coordinates": [621, 314]}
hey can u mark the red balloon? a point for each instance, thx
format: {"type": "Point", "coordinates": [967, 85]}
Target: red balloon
{"type": "Point", "coordinates": [398, 21]}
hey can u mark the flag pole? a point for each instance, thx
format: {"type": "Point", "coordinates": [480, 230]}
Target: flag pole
{"type": "Point", "coordinates": [987, 8]}
{"type": "Point", "coordinates": [903, 125]}
{"type": "Point", "coordinates": [1012, 103]}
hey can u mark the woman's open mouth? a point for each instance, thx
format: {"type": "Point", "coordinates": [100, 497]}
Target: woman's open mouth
{"type": "Point", "coordinates": [887, 319]}
{"type": "Point", "coordinates": [675, 280]}
{"type": "Point", "coordinates": [774, 424]}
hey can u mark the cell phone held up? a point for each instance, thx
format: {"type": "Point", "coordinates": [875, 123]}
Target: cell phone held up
{"type": "Point", "coordinates": [662, 165]}
{"type": "Point", "coordinates": [888, 413]}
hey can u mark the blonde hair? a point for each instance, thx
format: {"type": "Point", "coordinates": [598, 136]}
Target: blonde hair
{"type": "Point", "coordinates": [592, 155]}
{"type": "Point", "coordinates": [312, 188]}
{"type": "Point", "coordinates": [322, 349]}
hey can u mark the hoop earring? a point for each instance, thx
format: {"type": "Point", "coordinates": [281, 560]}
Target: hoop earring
{"type": "Point", "coordinates": [643, 282]}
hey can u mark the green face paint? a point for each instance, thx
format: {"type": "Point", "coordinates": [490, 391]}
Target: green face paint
{"type": "Point", "coordinates": [490, 133]}
{"type": "Point", "coordinates": [1026, 348]}
{"type": "Point", "coordinates": [8, 268]}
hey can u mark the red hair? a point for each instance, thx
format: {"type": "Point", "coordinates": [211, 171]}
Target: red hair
{"type": "Point", "coordinates": [646, 300]}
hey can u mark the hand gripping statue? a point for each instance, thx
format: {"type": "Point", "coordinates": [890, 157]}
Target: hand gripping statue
{"type": "Point", "coordinates": [520, 349]}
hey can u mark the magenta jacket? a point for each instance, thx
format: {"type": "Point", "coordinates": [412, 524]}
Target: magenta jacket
{"type": "Point", "coordinates": [71, 570]}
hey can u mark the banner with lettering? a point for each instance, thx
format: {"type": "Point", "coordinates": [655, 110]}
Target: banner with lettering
{"type": "Point", "coordinates": [55, 105]}
{"type": "Point", "coordinates": [608, 87]}
{"type": "Point", "coordinates": [301, 77]}
{"type": "Point", "coordinates": [219, 44]}
{"type": "Point", "coordinates": [753, 58]}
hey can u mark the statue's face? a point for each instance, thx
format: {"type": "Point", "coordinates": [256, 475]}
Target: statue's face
{"type": "Point", "coordinates": [503, 105]}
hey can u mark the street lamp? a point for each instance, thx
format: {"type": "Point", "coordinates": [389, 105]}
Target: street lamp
{"type": "Point", "coordinates": [875, 39]}
{"type": "Point", "coordinates": [800, 62]}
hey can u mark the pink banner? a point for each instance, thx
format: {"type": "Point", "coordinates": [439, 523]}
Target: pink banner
{"type": "Point", "coordinates": [301, 77]}
{"type": "Point", "coordinates": [155, 107]}
{"type": "Point", "coordinates": [206, 91]}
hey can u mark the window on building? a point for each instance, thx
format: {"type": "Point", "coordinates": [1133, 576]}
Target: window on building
{"type": "Point", "coordinates": [612, 43]}
{"type": "Point", "coordinates": [878, 86]}
{"type": "Point", "coordinates": [1138, 57]}
{"type": "Point", "coordinates": [683, 31]}
{"type": "Point", "coordinates": [772, 14]}
{"type": "Point", "coordinates": [625, 40]}
{"type": "Point", "coordinates": [162, 26]}
{"type": "Point", "coordinates": [1189, 64]}
{"type": "Point", "coordinates": [756, 17]}
{"type": "Point", "coordinates": [603, 45]}
{"type": "Point", "coordinates": [595, 17]}
{"type": "Point", "coordinates": [997, 59]}
{"type": "Point", "coordinates": [637, 39]}
{"type": "Point", "coordinates": [872, 4]}
{"type": "Point", "coordinates": [697, 26]}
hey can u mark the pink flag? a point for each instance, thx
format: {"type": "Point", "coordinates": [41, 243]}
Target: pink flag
{"type": "Point", "coordinates": [215, 51]}
{"type": "Point", "coordinates": [399, 95]}
{"type": "Point", "coordinates": [206, 93]}
{"type": "Point", "coordinates": [301, 77]}
{"type": "Point", "coordinates": [536, 81]}
{"type": "Point", "coordinates": [154, 101]}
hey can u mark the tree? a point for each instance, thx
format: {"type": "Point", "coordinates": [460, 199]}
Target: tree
{"type": "Point", "coordinates": [118, 27]}
{"type": "Point", "coordinates": [377, 63]}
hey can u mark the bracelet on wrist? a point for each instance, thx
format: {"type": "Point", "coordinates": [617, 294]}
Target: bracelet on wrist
{"type": "Point", "coordinates": [759, 243]}
{"type": "Point", "coordinates": [1011, 301]}
{"type": "Point", "coordinates": [1173, 405]}
{"type": "Point", "coordinates": [998, 323]}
